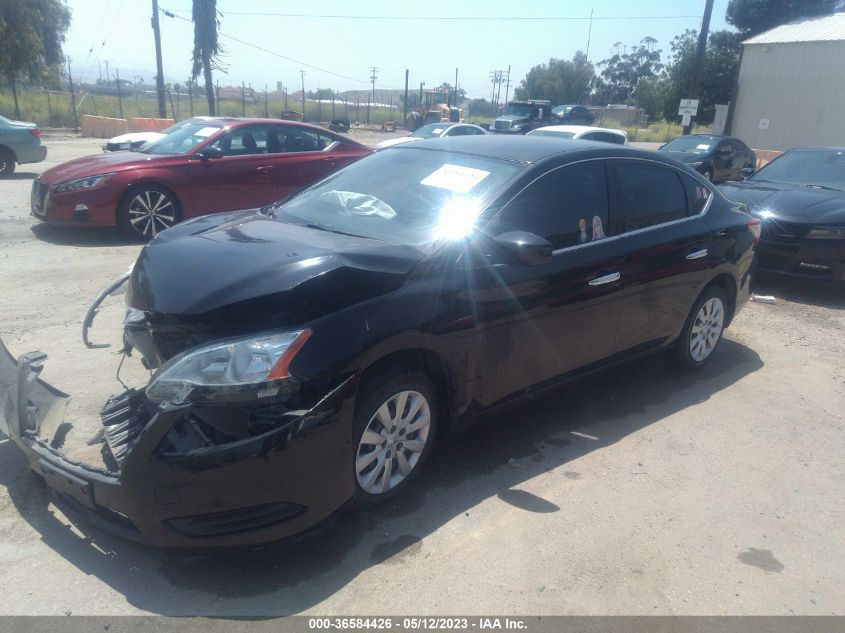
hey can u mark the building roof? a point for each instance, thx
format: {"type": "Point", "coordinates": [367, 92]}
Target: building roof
{"type": "Point", "coordinates": [821, 29]}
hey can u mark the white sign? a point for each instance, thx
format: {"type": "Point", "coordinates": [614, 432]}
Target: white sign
{"type": "Point", "coordinates": [455, 178]}
{"type": "Point", "coordinates": [687, 119]}
{"type": "Point", "coordinates": [764, 124]}
{"type": "Point", "coordinates": [688, 106]}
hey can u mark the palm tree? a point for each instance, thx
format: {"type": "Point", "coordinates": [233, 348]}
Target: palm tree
{"type": "Point", "coordinates": [207, 48]}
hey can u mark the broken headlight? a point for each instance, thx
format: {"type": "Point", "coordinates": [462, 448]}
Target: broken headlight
{"type": "Point", "coordinates": [254, 367]}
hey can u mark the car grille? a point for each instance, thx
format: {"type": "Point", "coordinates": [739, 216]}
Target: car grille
{"type": "Point", "coordinates": [780, 232]}
{"type": "Point", "coordinates": [502, 125]}
{"type": "Point", "coordinates": [39, 194]}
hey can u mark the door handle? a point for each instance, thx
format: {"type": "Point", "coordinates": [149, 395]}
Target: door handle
{"type": "Point", "coordinates": [605, 279]}
{"type": "Point", "coordinates": [264, 168]}
{"type": "Point", "coordinates": [330, 161]}
{"type": "Point", "coordinates": [698, 254]}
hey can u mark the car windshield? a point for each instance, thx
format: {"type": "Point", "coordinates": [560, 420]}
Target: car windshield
{"type": "Point", "coordinates": [553, 133]}
{"type": "Point", "coordinates": [519, 109]}
{"type": "Point", "coordinates": [405, 196]}
{"type": "Point", "coordinates": [808, 167]}
{"type": "Point", "coordinates": [562, 109]}
{"type": "Point", "coordinates": [182, 140]}
{"type": "Point", "coordinates": [432, 130]}
{"type": "Point", "coordinates": [690, 144]}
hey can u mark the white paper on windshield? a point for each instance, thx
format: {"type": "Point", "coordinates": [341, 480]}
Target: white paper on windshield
{"type": "Point", "coordinates": [702, 146]}
{"type": "Point", "coordinates": [438, 130]}
{"type": "Point", "coordinates": [206, 131]}
{"type": "Point", "coordinates": [455, 178]}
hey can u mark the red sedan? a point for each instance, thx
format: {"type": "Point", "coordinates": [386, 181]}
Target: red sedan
{"type": "Point", "coordinates": [204, 167]}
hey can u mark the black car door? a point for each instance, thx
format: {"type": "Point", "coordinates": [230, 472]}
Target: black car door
{"type": "Point", "coordinates": [723, 161]}
{"type": "Point", "coordinates": [537, 322]}
{"type": "Point", "coordinates": [666, 246]}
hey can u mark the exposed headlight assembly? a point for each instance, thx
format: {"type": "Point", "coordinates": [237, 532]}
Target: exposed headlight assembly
{"type": "Point", "coordinates": [253, 367]}
{"type": "Point", "coordinates": [83, 183]}
{"type": "Point", "coordinates": [827, 233]}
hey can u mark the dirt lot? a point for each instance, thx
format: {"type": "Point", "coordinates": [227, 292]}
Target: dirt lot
{"type": "Point", "coordinates": [639, 491]}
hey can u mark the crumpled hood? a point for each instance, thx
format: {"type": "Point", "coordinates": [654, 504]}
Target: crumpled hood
{"type": "Point", "coordinates": [222, 259]}
{"type": "Point", "coordinates": [100, 164]}
{"type": "Point", "coordinates": [686, 157]}
{"type": "Point", "coordinates": [792, 203]}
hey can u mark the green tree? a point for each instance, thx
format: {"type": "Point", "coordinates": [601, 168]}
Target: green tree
{"type": "Point", "coordinates": [559, 81]}
{"type": "Point", "coordinates": [31, 37]}
{"type": "Point", "coordinates": [621, 72]}
{"type": "Point", "coordinates": [719, 68]}
{"type": "Point", "coordinates": [207, 48]}
{"type": "Point", "coordinates": [755, 16]}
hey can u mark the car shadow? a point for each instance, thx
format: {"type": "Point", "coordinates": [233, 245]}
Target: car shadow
{"type": "Point", "coordinates": [21, 175]}
{"type": "Point", "coordinates": [801, 290]}
{"type": "Point", "coordinates": [70, 236]}
{"type": "Point", "coordinates": [491, 459]}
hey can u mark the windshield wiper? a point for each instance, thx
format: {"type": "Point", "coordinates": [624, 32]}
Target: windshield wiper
{"type": "Point", "coordinates": [320, 227]}
{"type": "Point", "coordinates": [822, 187]}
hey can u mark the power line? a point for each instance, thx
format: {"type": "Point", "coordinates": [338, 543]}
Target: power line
{"type": "Point", "coordinates": [510, 18]}
{"type": "Point", "coordinates": [279, 55]}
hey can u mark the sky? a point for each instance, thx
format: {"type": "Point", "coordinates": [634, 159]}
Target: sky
{"type": "Point", "coordinates": [336, 42]}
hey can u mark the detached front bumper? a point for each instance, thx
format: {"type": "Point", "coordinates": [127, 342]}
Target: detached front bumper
{"type": "Point", "coordinates": [810, 259]}
{"type": "Point", "coordinates": [254, 490]}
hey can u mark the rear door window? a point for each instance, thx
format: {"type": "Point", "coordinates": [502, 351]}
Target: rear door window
{"type": "Point", "coordinates": [648, 195]}
{"type": "Point", "coordinates": [292, 138]}
{"type": "Point", "coordinates": [567, 206]}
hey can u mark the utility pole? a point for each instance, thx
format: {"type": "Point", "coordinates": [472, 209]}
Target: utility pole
{"type": "Point", "coordinates": [119, 92]}
{"type": "Point", "coordinates": [302, 76]}
{"type": "Point", "coordinates": [108, 81]}
{"type": "Point", "coordinates": [493, 95]}
{"type": "Point", "coordinates": [508, 83]}
{"type": "Point", "coordinates": [72, 96]}
{"type": "Point", "coordinates": [456, 88]}
{"type": "Point", "coordinates": [217, 97]}
{"type": "Point", "coordinates": [243, 99]}
{"type": "Point", "coordinates": [405, 103]}
{"type": "Point", "coordinates": [162, 104]}
{"type": "Point", "coordinates": [699, 56]}
{"type": "Point", "coordinates": [190, 95]}
{"type": "Point", "coordinates": [266, 108]}
{"type": "Point", "coordinates": [373, 78]}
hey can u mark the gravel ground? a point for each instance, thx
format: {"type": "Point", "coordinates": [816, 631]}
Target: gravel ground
{"type": "Point", "coordinates": [637, 491]}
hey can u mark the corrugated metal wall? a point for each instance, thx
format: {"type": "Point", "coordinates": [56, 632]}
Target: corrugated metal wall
{"type": "Point", "coordinates": [797, 90]}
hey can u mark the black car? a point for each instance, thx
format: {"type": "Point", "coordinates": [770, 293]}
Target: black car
{"type": "Point", "coordinates": [800, 197]}
{"type": "Point", "coordinates": [308, 356]}
{"type": "Point", "coordinates": [572, 115]}
{"type": "Point", "coordinates": [717, 158]}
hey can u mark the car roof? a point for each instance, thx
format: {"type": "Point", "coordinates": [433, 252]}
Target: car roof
{"type": "Point", "coordinates": [579, 129]}
{"type": "Point", "coordinates": [526, 149]}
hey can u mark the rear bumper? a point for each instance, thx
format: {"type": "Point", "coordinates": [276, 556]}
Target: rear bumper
{"type": "Point", "coordinates": [823, 260]}
{"type": "Point", "coordinates": [256, 490]}
{"type": "Point", "coordinates": [30, 153]}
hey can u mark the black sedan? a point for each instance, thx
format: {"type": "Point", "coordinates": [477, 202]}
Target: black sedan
{"type": "Point", "coordinates": [572, 115]}
{"type": "Point", "coordinates": [717, 158]}
{"type": "Point", "coordinates": [800, 197]}
{"type": "Point", "coordinates": [309, 355]}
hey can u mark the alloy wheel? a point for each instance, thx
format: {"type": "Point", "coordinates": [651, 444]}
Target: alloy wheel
{"type": "Point", "coordinates": [150, 212]}
{"type": "Point", "coordinates": [706, 329]}
{"type": "Point", "coordinates": [392, 442]}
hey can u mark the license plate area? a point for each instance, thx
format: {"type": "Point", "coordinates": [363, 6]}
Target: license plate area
{"type": "Point", "coordinates": [66, 483]}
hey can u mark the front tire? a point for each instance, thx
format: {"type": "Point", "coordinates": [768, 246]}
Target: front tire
{"type": "Point", "coordinates": [7, 163]}
{"type": "Point", "coordinates": [395, 427]}
{"type": "Point", "coordinates": [146, 211]}
{"type": "Point", "coordinates": [703, 330]}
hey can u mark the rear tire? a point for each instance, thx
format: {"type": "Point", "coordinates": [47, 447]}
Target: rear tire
{"type": "Point", "coordinates": [147, 210]}
{"type": "Point", "coordinates": [703, 330]}
{"type": "Point", "coordinates": [394, 429]}
{"type": "Point", "coordinates": [7, 163]}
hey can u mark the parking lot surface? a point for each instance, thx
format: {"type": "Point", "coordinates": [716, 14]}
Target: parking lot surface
{"type": "Point", "coordinates": [640, 490]}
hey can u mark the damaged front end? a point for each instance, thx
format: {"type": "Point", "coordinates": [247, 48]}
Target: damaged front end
{"type": "Point", "coordinates": [205, 465]}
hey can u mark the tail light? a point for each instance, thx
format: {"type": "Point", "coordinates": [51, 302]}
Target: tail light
{"type": "Point", "coordinates": [755, 227]}
{"type": "Point", "coordinates": [35, 132]}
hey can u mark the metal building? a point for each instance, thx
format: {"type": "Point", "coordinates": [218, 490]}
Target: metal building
{"type": "Point", "coordinates": [791, 86]}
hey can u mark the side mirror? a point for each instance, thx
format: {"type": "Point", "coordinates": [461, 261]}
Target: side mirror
{"type": "Point", "coordinates": [526, 248]}
{"type": "Point", "coordinates": [747, 172]}
{"type": "Point", "coordinates": [724, 152]}
{"type": "Point", "coordinates": [210, 152]}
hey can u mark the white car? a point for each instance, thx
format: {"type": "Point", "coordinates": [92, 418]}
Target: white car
{"type": "Point", "coordinates": [436, 130]}
{"type": "Point", "coordinates": [582, 132]}
{"type": "Point", "coordinates": [136, 140]}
